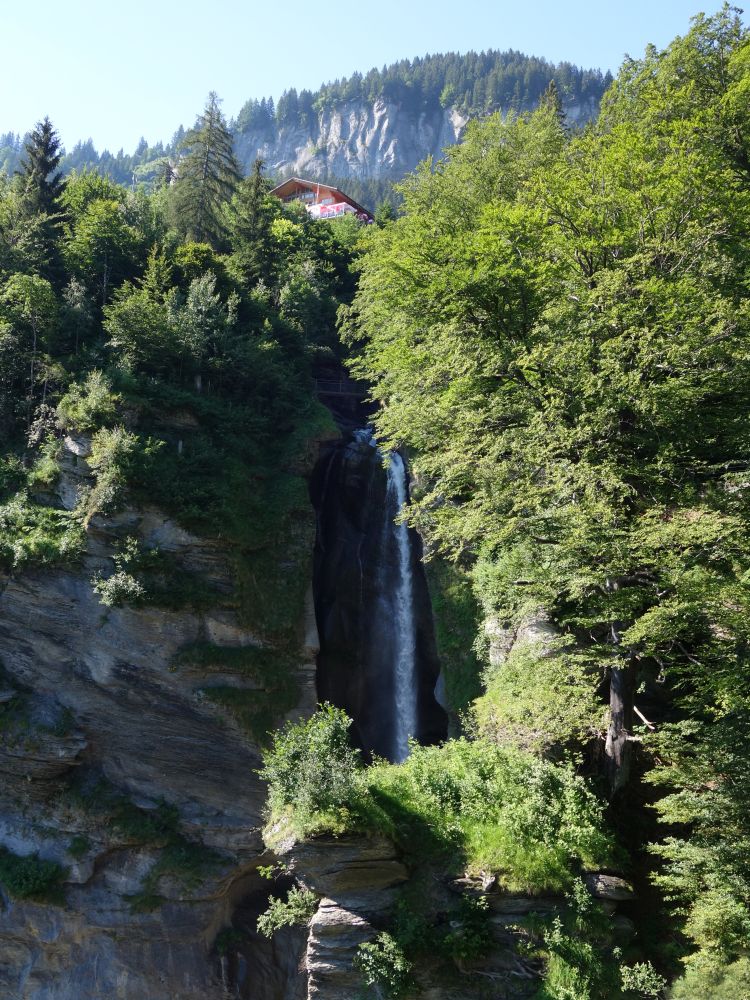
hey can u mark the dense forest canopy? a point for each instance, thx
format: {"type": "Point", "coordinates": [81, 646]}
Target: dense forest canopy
{"type": "Point", "coordinates": [118, 308]}
{"type": "Point", "coordinates": [557, 329]}
{"type": "Point", "coordinates": [475, 82]}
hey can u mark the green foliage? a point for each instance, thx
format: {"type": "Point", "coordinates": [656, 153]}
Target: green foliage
{"type": "Point", "coordinates": [642, 980]}
{"type": "Point", "coordinates": [471, 934]}
{"type": "Point", "coordinates": [580, 962]}
{"type": "Point", "coordinates": [481, 807]}
{"type": "Point", "coordinates": [42, 183]}
{"type": "Point", "coordinates": [465, 804]}
{"type": "Point", "coordinates": [207, 176]}
{"type": "Point", "coordinates": [556, 328]}
{"type": "Point", "coordinates": [31, 877]}
{"type": "Point", "coordinates": [714, 981]}
{"type": "Point", "coordinates": [88, 406]}
{"type": "Point", "coordinates": [704, 771]}
{"type": "Point", "coordinates": [457, 616]}
{"type": "Point", "coordinates": [33, 535]}
{"type": "Point", "coordinates": [311, 768]}
{"type": "Point", "coordinates": [541, 698]}
{"type": "Point", "coordinates": [103, 247]}
{"type": "Point", "coordinates": [118, 589]}
{"type": "Point", "coordinates": [297, 909]}
{"type": "Point", "coordinates": [142, 826]}
{"type": "Point", "coordinates": [384, 967]}
{"type": "Point", "coordinates": [12, 475]}
{"type": "Point", "coordinates": [46, 469]}
{"type": "Point", "coordinates": [150, 576]}
{"type": "Point", "coordinates": [113, 452]}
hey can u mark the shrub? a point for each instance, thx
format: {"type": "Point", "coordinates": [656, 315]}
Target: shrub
{"type": "Point", "coordinates": [467, 804]}
{"type": "Point", "coordinates": [542, 699]}
{"type": "Point", "coordinates": [89, 406]}
{"type": "Point", "coordinates": [32, 535]}
{"type": "Point", "coordinates": [297, 909]}
{"type": "Point", "coordinates": [45, 469]}
{"type": "Point", "coordinates": [12, 475]}
{"type": "Point", "coordinates": [474, 804]}
{"type": "Point", "coordinates": [384, 967]}
{"type": "Point", "coordinates": [311, 768]}
{"type": "Point", "coordinates": [31, 877]}
{"type": "Point", "coordinates": [112, 455]}
{"type": "Point", "coordinates": [118, 589]}
{"type": "Point", "coordinates": [471, 937]}
{"type": "Point", "coordinates": [643, 980]}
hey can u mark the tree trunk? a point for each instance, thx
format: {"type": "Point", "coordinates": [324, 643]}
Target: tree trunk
{"type": "Point", "coordinates": [618, 747]}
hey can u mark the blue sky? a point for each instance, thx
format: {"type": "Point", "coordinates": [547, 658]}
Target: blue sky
{"type": "Point", "coordinates": [118, 71]}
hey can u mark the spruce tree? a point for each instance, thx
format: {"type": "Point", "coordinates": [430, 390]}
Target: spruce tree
{"type": "Point", "coordinates": [551, 99]}
{"type": "Point", "coordinates": [43, 183]}
{"type": "Point", "coordinates": [207, 175]}
{"type": "Point", "coordinates": [251, 213]}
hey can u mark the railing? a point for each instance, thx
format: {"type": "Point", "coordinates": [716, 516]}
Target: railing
{"type": "Point", "coordinates": [330, 211]}
{"type": "Point", "coordinates": [340, 387]}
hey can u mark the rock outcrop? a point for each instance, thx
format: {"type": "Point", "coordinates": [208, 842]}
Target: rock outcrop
{"type": "Point", "coordinates": [358, 880]}
{"type": "Point", "coordinates": [378, 139]}
{"type": "Point", "coordinates": [117, 768]}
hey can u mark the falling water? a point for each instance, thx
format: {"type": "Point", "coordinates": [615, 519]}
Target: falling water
{"type": "Point", "coordinates": [405, 644]}
{"type": "Point", "coordinates": [377, 655]}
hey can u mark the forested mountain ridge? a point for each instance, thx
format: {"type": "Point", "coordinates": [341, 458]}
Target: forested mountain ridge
{"type": "Point", "coordinates": [364, 127]}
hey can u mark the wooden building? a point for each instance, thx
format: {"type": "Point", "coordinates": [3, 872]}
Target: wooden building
{"type": "Point", "coordinates": [322, 201]}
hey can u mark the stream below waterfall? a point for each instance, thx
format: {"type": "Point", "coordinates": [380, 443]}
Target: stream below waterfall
{"type": "Point", "coordinates": [377, 656]}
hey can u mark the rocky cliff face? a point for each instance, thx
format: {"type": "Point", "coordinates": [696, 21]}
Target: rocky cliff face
{"type": "Point", "coordinates": [115, 766]}
{"type": "Point", "coordinates": [355, 139]}
{"type": "Point", "coordinates": [358, 881]}
{"type": "Point", "coordinates": [364, 140]}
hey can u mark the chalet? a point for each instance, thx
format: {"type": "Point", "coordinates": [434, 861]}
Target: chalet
{"type": "Point", "coordinates": [322, 201]}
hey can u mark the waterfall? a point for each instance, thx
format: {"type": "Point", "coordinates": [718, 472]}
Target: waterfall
{"type": "Point", "coordinates": [405, 633]}
{"type": "Point", "coordinates": [395, 627]}
{"type": "Point", "coordinates": [377, 656]}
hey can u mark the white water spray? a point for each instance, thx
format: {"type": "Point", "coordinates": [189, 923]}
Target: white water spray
{"type": "Point", "coordinates": [404, 625]}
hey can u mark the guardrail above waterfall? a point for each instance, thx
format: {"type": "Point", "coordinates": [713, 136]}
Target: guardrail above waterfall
{"type": "Point", "coordinates": [340, 387]}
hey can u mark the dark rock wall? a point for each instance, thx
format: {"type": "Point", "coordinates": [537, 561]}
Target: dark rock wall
{"type": "Point", "coordinates": [348, 489]}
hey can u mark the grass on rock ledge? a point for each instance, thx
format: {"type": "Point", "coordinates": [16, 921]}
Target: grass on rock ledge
{"type": "Point", "coordinates": [465, 806]}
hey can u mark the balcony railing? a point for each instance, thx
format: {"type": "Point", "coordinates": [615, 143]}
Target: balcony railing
{"type": "Point", "coordinates": [330, 211]}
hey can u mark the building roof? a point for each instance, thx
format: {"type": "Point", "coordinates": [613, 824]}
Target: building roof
{"type": "Point", "coordinates": [288, 186]}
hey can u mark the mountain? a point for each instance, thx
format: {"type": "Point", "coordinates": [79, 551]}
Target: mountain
{"type": "Point", "coordinates": [382, 125]}
{"type": "Point", "coordinates": [370, 130]}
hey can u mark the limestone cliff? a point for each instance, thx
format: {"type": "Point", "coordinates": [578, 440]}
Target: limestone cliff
{"type": "Point", "coordinates": [117, 766]}
{"type": "Point", "coordinates": [362, 139]}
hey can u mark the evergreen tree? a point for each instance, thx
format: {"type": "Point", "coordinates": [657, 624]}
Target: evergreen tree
{"type": "Point", "coordinates": [41, 204]}
{"type": "Point", "coordinates": [43, 183]}
{"type": "Point", "coordinates": [251, 213]}
{"type": "Point", "coordinates": [208, 174]}
{"type": "Point", "coordinates": [551, 99]}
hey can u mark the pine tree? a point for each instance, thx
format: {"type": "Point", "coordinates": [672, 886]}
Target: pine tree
{"type": "Point", "coordinates": [551, 99]}
{"type": "Point", "coordinates": [251, 213]}
{"type": "Point", "coordinates": [43, 183]}
{"type": "Point", "coordinates": [208, 174]}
